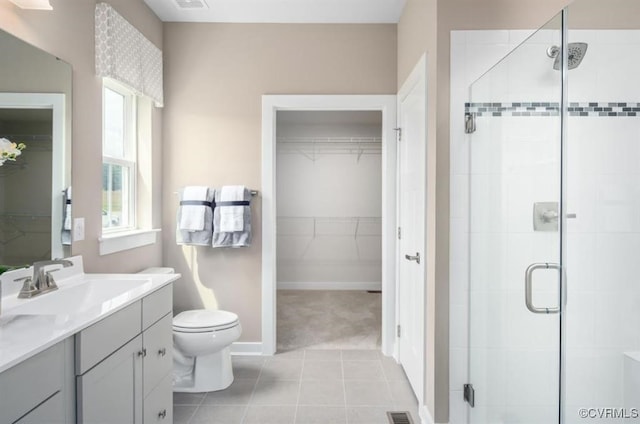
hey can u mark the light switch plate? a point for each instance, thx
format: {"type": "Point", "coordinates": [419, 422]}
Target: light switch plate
{"type": "Point", "coordinates": [78, 229]}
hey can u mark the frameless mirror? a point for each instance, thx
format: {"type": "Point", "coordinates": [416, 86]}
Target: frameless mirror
{"type": "Point", "coordinates": [35, 109]}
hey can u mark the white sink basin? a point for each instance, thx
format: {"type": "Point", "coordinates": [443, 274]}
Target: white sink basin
{"type": "Point", "coordinates": [104, 295]}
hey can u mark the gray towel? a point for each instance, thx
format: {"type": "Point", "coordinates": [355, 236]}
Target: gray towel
{"type": "Point", "coordinates": [196, 238]}
{"type": "Point", "coordinates": [235, 238]}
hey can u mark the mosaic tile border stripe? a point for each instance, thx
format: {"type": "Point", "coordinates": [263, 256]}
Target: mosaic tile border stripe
{"type": "Point", "coordinates": [604, 109]}
{"type": "Point", "coordinates": [513, 109]}
{"type": "Point", "coordinates": [607, 109]}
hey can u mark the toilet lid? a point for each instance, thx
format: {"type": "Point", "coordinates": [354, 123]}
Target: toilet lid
{"type": "Point", "coordinates": [204, 319]}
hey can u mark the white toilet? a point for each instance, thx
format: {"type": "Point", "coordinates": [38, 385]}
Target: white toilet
{"type": "Point", "coordinates": [202, 347]}
{"type": "Point", "coordinates": [202, 350]}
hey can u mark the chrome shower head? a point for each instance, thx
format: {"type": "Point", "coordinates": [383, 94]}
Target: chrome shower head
{"type": "Point", "coordinates": [576, 52]}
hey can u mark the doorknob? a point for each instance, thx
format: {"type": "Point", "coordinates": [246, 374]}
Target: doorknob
{"type": "Point", "coordinates": [413, 258]}
{"type": "Point", "coordinates": [528, 283]}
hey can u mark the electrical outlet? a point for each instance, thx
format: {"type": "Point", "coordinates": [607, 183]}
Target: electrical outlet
{"type": "Point", "coordinates": [78, 229]}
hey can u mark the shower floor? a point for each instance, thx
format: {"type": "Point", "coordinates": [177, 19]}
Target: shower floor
{"type": "Point", "coordinates": [328, 319]}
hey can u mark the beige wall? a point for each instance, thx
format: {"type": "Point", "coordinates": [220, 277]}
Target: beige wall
{"type": "Point", "coordinates": [425, 27]}
{"type": "Point", "coordinates": [215, 77]}
{"type": "Point", "coordinates": [68, 32]}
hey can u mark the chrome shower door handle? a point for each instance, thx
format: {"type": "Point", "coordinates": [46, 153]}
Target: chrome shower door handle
{"type": "Point", "coordinates": [413, 258]}
{"type": "Point", "coordinates": [528, 287]}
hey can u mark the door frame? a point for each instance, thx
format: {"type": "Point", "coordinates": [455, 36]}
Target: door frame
{"type": "Point", "coordinates": [274, 103]}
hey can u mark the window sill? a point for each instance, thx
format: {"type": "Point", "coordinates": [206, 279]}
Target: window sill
{"type": "Point", "coordinates": [125, 240]}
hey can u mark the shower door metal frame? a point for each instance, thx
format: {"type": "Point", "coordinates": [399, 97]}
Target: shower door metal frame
{"type": "Point", "coordinates": [562, 208]}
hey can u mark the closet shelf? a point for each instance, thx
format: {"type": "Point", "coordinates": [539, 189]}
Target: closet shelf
{"type": "Point", "coordinates": [346, 237]}
{"type": "Point", "coordinates": [311, 147]}
{"type": "Point", "coordinates": [355, 226]}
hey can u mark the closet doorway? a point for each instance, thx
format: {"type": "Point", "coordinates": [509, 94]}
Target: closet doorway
{"type": "Point", "coordinates": [329, 239]}
{"type": "Point", "coordinates": [329, 229]}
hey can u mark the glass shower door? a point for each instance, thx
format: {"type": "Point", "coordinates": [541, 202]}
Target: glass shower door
{"type": "Point", "coordinates": [514, 239]}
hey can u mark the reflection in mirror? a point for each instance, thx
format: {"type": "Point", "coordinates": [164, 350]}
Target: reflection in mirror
{"type": "Point", "coordinates": [26, 219]}
{"type": "Point", "coordinates": [35, 109]}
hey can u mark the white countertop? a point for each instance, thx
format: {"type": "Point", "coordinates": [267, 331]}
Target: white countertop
{"type": "Point", "coordinates": [22, 336]}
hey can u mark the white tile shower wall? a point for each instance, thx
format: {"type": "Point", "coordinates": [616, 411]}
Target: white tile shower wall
{"type": "Point", "coordinates": [604, 191]}
{"type": "Point", "coordinates": [603, 241]}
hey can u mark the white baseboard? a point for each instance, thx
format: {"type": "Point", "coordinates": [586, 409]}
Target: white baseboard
{"type": "Point", "coordinates": [330, 285]}
{"type": "Point", "coordinates": [425, 416]}
{"type": "Point", "coordinates": [246, 348]}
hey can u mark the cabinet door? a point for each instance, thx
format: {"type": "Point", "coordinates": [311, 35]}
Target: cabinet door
{"type": "Point", "coordinates": [158, 406]}
{"type": "Point", "coordinates": [158, 342]}
{"type": "Point", "coordinates": [110, 392]}
{"type": "Point", "coordinates": [51, 411]}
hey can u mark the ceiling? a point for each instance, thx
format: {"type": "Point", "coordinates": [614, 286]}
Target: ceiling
{"type": "Point", "coordinates": [278, 11]}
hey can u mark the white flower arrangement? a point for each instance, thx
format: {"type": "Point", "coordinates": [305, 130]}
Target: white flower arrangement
{"type": "Point", "coordinates": [9, 150]}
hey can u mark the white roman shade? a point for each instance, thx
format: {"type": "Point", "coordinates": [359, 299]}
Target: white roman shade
{"type": "Point", "coordinates": [125, 55]}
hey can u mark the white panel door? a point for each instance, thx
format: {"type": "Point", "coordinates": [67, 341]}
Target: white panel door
{"type": "Point", "coordinates": [412, 115]}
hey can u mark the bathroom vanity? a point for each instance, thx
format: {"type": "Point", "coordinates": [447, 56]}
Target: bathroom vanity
{"type": "Point", "coordinates": [99, 349]}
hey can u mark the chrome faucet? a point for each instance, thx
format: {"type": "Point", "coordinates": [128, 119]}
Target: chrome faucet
{"type": "Point", "coordinates": [42, 281]}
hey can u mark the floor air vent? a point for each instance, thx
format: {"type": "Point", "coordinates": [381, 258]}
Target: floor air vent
{"type": "Point", "coordinates": [399, 418]}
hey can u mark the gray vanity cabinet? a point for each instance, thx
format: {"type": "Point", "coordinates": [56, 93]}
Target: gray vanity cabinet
{"type": "Point", "coordinates": [39, 390]}
{"type": "Point", "coordinates": [124, 380]}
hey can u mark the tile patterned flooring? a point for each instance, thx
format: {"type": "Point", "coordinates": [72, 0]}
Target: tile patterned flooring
{"type": "Point", "coordinates": [304, 387]}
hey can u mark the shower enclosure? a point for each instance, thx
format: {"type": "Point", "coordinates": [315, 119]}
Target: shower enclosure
{"type": "Point", "coordinates": [554, 224]}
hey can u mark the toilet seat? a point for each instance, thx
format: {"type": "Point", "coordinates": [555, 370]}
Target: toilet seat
{"type": "Point", "coordinates": [204, 320]}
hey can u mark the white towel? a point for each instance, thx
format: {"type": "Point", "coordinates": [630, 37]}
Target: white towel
{"type": "Point", "coordinates": [192, 216]}
{"type": "Point", "coordinates": [232, 217]}
{"type": "Point", "coordinates": [67, 210]}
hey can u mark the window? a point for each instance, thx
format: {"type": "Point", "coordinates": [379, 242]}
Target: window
{"type": "Point", "coordinates": [119, 145]}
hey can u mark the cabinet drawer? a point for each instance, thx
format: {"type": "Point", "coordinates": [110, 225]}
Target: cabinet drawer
{"type": "Point", "coordinates": [157, 305]}
{"type": "Point", "coordinates": [29, 383]}
{"type": "Point", "coordinates": [95, 343]}
{"type": "Point", "coordinates": [158, 406]}
{"type": "Point", "coordinates": [158, 342]}
{"type": "Point", "coordinates": [50, 411]}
